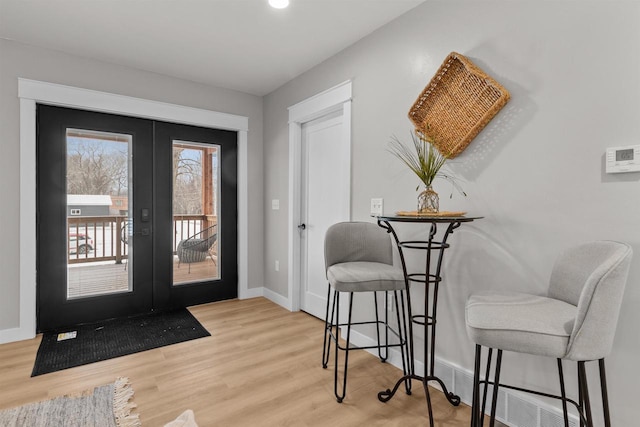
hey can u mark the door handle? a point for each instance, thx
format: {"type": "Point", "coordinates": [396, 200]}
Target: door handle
{"type": "Point", "coordinates": [302, 227]}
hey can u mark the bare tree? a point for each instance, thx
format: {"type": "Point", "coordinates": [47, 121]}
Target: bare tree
{"type": "Point", "coordinates": [187, 181]}
{"type": "Point", "coordinates": [96, 167]}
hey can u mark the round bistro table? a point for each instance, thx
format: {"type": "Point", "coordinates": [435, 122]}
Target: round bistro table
{"type": "Point", "coordinates": [434, 252]}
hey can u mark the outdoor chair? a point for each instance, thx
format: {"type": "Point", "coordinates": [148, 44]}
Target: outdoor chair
{"type": "Point", "coordinates": [197, 247]}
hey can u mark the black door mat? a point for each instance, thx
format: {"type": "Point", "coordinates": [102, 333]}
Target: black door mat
{"type": "Point", "coordinates": [115, 338]}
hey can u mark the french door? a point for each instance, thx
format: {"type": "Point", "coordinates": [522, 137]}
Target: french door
{"type": "Point", "coordinates": [133, 215]}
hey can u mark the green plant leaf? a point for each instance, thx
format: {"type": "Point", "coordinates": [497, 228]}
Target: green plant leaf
{"type": "Point", "coordinates": [423, 159]}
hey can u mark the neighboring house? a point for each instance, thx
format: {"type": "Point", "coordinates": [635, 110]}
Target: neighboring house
{"type": "Point", "coordinates": [119, 205]}
{"type": "Point", "coordinates": [88, 205]}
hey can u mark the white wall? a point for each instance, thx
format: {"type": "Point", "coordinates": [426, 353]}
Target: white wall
{"type": "Point", "coordinates": [536, 173]}
{"type": "Point", "coordinates": [18, 60]}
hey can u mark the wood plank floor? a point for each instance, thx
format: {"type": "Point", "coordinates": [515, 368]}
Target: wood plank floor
{"type": "Point", "coordinates": [260, 367]}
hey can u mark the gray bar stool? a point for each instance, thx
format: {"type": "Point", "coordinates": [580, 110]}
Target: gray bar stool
{"type": "Point", "coordinates": [575, 321]}
{"type": "Point", "coordinates": [359, 258]}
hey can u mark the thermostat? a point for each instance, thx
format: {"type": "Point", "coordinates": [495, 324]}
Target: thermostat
{"type": "Point", "coordinates": [623, 159]}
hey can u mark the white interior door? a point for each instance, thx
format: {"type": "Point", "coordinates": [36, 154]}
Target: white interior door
{"type": "Point", "coordinates": [325, 200]}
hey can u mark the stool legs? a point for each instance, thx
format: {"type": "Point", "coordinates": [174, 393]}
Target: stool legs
{"type": "Point", "coordinates": [563, 394]}
{"type": "Point", "coordinates": [583, 404]}
{"type": "Point", "coordinates": [486, 381]}
{"type": "Point", "coordinates": [475, 404]}
{"type": "Point", "coordinates": [605, 396]}
{"type": "Point", "coordinates": [332, 320]}
{"type": "Point", "coordinates": [496, 384]}
{"type": "Point", "coordinates": [477, 408]}
{"type": "Point", "coordinates": [340, 395]}
{"type": "Point", "coordinates": [326, 346]}
{"type": "Point", "coordinates": [386, 330]}
{"type": "Point", "coordinates": [584, 387]}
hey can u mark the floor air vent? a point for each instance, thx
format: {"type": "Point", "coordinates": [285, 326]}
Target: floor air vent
{"type": "Point", "coordinates": [514, 409]}
{"type": "Point", "coordinates": [552, 419]}
{"type": "Point", "coordinates": [521, 413]}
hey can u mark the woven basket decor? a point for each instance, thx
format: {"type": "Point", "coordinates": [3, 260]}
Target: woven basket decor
{"type": "Point", "coordinates": [459, 101]}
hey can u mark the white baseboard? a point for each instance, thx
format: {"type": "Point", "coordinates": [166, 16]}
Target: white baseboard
{"type": "Point", "coordinates": [252, 293]}
{"type": "Point", "coordinates": [15, 334]}
{"type": "Point", "coordinates": [276, 298]}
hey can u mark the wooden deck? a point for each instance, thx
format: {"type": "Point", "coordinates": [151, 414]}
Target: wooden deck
{"type": "Point", "coordinates": [97, 278]}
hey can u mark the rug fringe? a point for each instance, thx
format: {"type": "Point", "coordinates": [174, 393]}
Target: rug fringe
{"type": "Point", "coordinates": [122, 394]}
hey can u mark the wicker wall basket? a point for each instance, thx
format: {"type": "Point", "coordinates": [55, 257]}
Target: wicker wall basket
{"type": "Point", "coordinates": [459, 101]}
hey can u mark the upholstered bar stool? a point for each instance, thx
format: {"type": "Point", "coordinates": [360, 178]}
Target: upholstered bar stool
{"type": "Point", "coordinates": [358, 259]}
{"type": "Point", "coordinates": [576, 321]}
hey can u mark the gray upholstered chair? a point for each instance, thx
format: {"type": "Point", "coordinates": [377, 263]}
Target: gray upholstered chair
{"type": "Point", "coordinates": [359, 258]}
{"type": "Point", "coordinates": [575, 321]}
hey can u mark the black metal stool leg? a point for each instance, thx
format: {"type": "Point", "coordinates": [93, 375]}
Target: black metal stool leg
{"type": "Point", "coordinates": [375, 306]}
{"type": "Point", "coordinates": [582, 379]}
{"type": "Point", "coordinates": [605, 395]}
{"type": "Point", "coordinates": [496, 384]}
{"type": "Point", "coordinates": [336, 301]}
{"type": "Point", "coordinates": [475, 403]}
{"type": "Point", "coordinates": [563, 394]}
{"type": "Point", "coordinates": [326, 345]}
{"type": "Point", "coordinates": [340, 396]}
{"type": "Point", "coordinates": [580, 398]}
{"type": "Point", "coordinates": [486, 385]}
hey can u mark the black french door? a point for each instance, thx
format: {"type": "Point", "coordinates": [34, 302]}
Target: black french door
{"type": "Point", "coordinates": [133, 215]}
{"type": "Point", "coordinates": [217, 149]}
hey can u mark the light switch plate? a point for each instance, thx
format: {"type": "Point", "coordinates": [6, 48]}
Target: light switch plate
{"type": "Point", "coordinates": [377, 206]}
{"type": "Point", "coordinates": [275, 204]}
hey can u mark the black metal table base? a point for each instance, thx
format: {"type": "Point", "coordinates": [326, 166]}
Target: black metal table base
{"type": "Point", "coordinates": [431, 280]}
{"type": "Point", "coordinates": [385, 396]}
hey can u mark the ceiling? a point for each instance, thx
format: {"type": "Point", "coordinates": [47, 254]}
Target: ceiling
{"type": "Point", "coordinates": [243, 45]}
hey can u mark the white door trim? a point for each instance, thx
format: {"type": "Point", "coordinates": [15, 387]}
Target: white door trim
{"type": "Point", "coordinates": [333, 99]}
{"type": "Point", "coordinates": [32, 92]}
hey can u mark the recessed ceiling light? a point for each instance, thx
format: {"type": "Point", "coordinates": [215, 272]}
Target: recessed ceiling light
{"type": "Point", "coordinates": [279, 4]}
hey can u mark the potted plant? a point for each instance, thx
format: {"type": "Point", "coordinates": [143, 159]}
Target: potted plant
{"type": "Point", "coordinates": [426, 162]}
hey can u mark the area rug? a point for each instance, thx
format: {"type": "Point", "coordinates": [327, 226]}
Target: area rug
{"type": "Point", "coordinates": [104, 406]}
{"type": "Point", "coordinates": [114, 338]}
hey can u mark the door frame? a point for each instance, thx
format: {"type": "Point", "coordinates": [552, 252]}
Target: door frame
{"type": "Point", "coordinates": [32, 92]}
{"type": "Point", "coordinates": [333, 99]}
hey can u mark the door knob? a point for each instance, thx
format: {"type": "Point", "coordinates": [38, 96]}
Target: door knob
{"type": "Point", "coordinates": [302, 226]}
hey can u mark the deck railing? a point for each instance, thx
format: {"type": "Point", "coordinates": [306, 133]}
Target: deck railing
{"type": "Point", "coordinates": [106, 238]}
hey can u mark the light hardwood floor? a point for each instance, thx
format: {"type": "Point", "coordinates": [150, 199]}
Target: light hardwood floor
{"type": "Point", "coordinates": [260, 367]}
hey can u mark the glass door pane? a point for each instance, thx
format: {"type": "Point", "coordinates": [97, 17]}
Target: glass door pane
{"type": "Point", "coordinates": [196, 207]}
{"type": "Point", "coordinates": [99, 206]}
